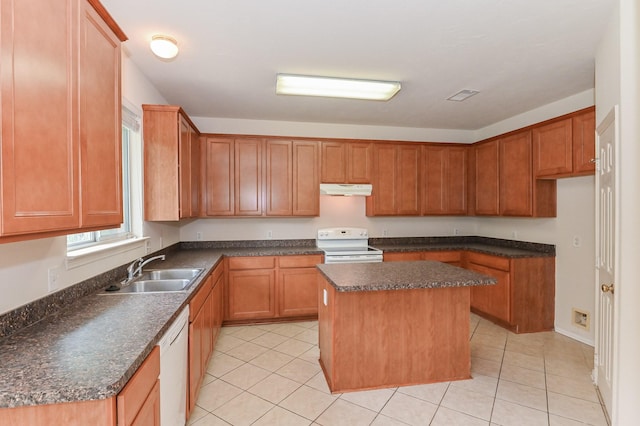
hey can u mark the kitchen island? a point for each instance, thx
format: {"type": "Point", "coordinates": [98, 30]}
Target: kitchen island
{"type": "Point", "coordinates": [394, 324]}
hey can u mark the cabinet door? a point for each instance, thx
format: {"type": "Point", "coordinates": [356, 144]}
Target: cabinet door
{"type": "Point", "coordinates": [306, 186]}
{"type": "Point", "coordinates": [584, 143]}
{"type": "Point", "coordinates": [434, 181]}
{"type": "Point", "coordinates": [457, 180]}
{"type": "Point", "coordinates": [298, 292]}
{"type": "Point", "coordinates": [137, 403]}
{"type": "Point", "coordinates": [486, 179]}
{"type": "Point", "coordinates": [184, 166]}
{"type": "Point", "coordinates": [552, 149]}
{"type": "Point", "coordinates": [279, 188]}
{"type": "Point", "coordinates": [195, 173]}
{"type": "Point", "coordinates": [196, 331]}
{"type": "Point", "coordinates": [383, 200]}
{"type": "Point", "coordinates": [217, 305]}
{"type": "Point", "coordinates": [359, 162]}
{"type": "Point", "coordinates": [248, 177]}
{"type": "Point", "coordinates": [495, 299]}
{"type": "Point", "coordinates": [219, 177]}
{"type": "Point", "coordinates": [516, 176]}
{"type": "Point", "coordinates": [251, 294]}
{"type": "Point", "coordinates": [408, 180]}
{"type": "Point", "coordinates": [39, 157]}
{"type": "Point", "coordinates": [100, 122]}
{"type": "Point", "coordinates": [149, 414]}
{"type": "Point", "coordinates": [334, 157]}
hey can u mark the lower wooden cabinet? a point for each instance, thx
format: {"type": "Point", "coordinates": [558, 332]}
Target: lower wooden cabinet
{"type": "Point", "coordinates": [452, 257]}
{"type": "Point", "coordinates": [205, 320]}
{"type": "Point", "coordinates": [139, 402]}
{"type": "Point", "coordinates": [523, 300]}
{"type": "Point", "coordinates": [270, 287]}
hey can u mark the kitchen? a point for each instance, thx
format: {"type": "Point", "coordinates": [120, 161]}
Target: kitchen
{"type": "Point", "coordinates": [29, 261]}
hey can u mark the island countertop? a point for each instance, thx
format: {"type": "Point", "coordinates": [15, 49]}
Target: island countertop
{"type": "Point", "coordinates": [400, 276]}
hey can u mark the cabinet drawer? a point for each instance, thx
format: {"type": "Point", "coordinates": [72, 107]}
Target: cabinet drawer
{"type": "Point", "coordinates": [402, 256]}
{"type": "Point", "coordinates": [306, 261]}
{"type": "Point", "coordinates": [131, 399]}
{"type": "Point", "coordinates": [496, 262]}
{"type": "Point", "coordinates": [252, 262]}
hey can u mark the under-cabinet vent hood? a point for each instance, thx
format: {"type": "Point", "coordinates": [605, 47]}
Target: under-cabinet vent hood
{"type": "Point", "coordinates": [363, 189]}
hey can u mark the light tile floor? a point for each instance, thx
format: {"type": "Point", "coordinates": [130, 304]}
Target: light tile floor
{"type": "Point", "coordinates": [269, 375]}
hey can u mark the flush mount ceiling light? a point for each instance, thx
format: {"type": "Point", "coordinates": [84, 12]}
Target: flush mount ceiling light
{"type": "Point", "coordinates": [462, 95]}
{"type": "Point", "coordinates": [305, 85]}
{"type": "Point", "coordinates": [164, 47]}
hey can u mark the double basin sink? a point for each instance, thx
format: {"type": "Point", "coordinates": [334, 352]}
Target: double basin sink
{"type": "Point", "coordinates": [159, 281]}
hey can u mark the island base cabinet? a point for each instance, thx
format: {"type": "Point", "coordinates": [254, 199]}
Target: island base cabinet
{"type": "Point", "coordinates": [381, 339]}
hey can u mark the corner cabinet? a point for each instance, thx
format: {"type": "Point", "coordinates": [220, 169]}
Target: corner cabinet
{"type": "Point", "coordinates": [524, 296]}
{"type": "Point", "coordinates": [61, 139]}
{"type": "Point", "coordinates": [171, 164]}
{"type": "Point", "coordinates": [566, 147]}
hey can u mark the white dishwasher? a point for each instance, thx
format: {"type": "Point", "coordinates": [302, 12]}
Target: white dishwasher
{"type": "Point", "coordinates": [173, 372]}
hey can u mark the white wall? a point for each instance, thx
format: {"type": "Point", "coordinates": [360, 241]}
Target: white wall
{"type": "Point", "coordinates": [24, 265]}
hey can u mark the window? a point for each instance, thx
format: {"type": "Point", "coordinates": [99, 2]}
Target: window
{"type": "Point", "coordinates": [130, 132]}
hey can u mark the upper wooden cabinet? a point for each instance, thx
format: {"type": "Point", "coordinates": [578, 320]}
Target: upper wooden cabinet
{"type": "Point", "coordinates": [444, 180]}
{"type": "Point", "coordinates": [396, 180]}
{"type": "Point", "coordinates": [347, 162]}
{"type": "Point", "coordinates": [257, 177]}
{"type": "Point", "coordinates": [170, 169]}
{"type": "Point", "coordinates": [565, 147]}
{"type": "Point", "coordinates": [503, 179]}
{"type": "Point", "coordinates": [61, 139]}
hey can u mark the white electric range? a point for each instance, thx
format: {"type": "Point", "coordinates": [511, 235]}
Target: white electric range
{"type": "Point", "coordinates": [347, 245]}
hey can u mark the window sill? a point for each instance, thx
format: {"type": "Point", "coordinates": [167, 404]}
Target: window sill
{"type": "Point", "coordinates": [98, 252]}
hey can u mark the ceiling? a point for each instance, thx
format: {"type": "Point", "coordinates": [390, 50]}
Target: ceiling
{"type": "Point", "coordinates": [520, 54]}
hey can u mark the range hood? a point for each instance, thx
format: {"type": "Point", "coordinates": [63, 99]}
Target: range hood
{"type": "Point", "coordinates": [362, 189]}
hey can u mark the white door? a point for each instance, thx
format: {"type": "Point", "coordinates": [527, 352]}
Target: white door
{"type": "Point", "coordinates": [606, 243]}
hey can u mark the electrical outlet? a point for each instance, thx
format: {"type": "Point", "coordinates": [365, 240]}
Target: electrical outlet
{"type": "Point", "coordinates": [385, 232]}
{"type": "Point", "coordinates": [456, 231]}
{"type": "Point", "coordinates": [577, 241]}
{"type": "Point", "coordinates": [198, 236]}
{"type": "Point", "coordinates": [514, 234]}
{"type": "Point", "coordinates": [53, 276]}
{"type": "Point", "coordinates": [269, 234]}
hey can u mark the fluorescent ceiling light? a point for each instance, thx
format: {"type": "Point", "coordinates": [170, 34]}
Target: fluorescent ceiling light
{"type": "Point", "coordinates": [164, 47]}
{"type": "Point", "coordinates": [304, 85]}
{"type": "Point", "coordinates": [462, 95]}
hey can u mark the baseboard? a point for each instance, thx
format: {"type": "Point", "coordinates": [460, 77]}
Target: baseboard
{"type": "Point", "coordinates": [575, 336]}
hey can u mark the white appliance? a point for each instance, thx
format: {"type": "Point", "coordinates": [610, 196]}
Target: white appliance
{"type": "Point", "coordinates": [347, 245]}
{"type": "Point", "coordinates": [346, 189]}
{"type": "Point", "coordinates": [173, 372]}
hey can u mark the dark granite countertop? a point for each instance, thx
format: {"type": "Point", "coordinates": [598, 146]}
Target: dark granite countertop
{"type": "Point", "coordinates": [352, 277]}
{"type": "Point", "coordinates": [79, 344]}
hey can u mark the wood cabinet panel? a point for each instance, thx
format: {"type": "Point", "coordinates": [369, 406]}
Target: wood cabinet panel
{"type": "Point", "coordinates": [219, 177]}
{"type": "Point", "coordinates": [409, 180]}
{"type": "Point", "coordinates": [402, 256]}
{"type": "Point", "coordinates": [248, 177]}
{"type": "Point", "coordinates": [251, 262]}
{"type": "Point", "coordinates": [96, 413]}
{"type": "Point", "coordinates": [168, 139]}
{"type": "Point", "coordinates": [584, 143]}
{"type": "Point", "coordinates": [298, 287]}
{"type": "Point", "coordinates": [486, 178]}
{"type": "Point", "coordinates": [516, 176]}
{"type": "Point", "coordinates": [444, 180]}
{"type": "Point", "coordinates": [251, 294]}
{"type": "Point", "coordinates": [100, 122]}
{"type": "Point", "coordinates": [492, 299]}
{"type": "Point", "coordinates": [334, 160]}
{"type": "Point", "coordinates": [39, 186]}
{"type": "Point", "coordinates": [304, 261]}
{"type": "Point", "coordinates": [141, 394]}
{"type": "Point", "coordinates": [451, 257]}
{"type": "Point", "coordinates": [279, 185]}
{"type": "Point", "coordinates": [305, 183]}
{"type": "Point", "coordinates": [552, 148]}
{"type": "Point", "coordinates": [359, 162]}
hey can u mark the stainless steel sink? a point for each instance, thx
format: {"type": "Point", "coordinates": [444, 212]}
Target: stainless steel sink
{"type": "Point", "coordinates": [171, 274]}
{"type": "Point", "coordinates": [155, 286]}
{"type": "Point", "coordinates": [158, 281]}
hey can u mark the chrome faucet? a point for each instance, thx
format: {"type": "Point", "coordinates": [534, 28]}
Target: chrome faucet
{"type": "Point", "coordinates": [136, 266]}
